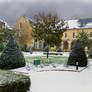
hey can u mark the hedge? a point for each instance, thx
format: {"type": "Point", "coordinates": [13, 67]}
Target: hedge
{"type": "Point", "coordinates": [12, 82]}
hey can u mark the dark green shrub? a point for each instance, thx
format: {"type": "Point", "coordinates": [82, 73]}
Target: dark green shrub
{"type": "Point", "coordinates": [36, 49]}
{"type": "Point", "coordinates": [59, 49]}
{"type": "Point", "coordinates": [11, 82]}
{"type": "Point", "coordinates": [26, 48]}
{"type": "Point", "coordinates": [1, 46]}
{"type": "Point", "coordinates": [46, 49]}
{"type": "Point", "coordinates": [77, 55]}
{"type": "Point", "coordinates": [12, 56]}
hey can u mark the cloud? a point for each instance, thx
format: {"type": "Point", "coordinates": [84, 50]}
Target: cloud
{"type": "Point", "coordinates": [11, 10]}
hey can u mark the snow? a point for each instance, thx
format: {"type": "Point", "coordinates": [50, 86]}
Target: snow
{"type": "Point", "coordinates": [58, 81]}
{"type": "Point", "coordinates": [62, 81]}
{"type": "Point", "coordinates": [46, 67]}
{"type": "Point", "coordinates": [6, 24]}
{"type": "Point", "coordinates": [27, 54]}
{"type": "Point", "coordinates": [89, 25]}
{"type": "Point", "coordinates": [73, 24]}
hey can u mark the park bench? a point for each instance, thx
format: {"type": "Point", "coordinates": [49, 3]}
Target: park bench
{"type": "Point", "coordinates": [53, 53]}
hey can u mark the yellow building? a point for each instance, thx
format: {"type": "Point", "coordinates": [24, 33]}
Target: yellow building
{"type": "Point", "coordinates": [23, 30]}
{"type": "Point", "coordinates": [70, 36]}
{"type": "Point", "coordinates": [23, 33]}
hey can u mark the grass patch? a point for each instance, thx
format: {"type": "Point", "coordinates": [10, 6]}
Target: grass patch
{"type": "Point", "coordinates": [51, 59]}
{"type": "Point", "coordinates": [12, 82]}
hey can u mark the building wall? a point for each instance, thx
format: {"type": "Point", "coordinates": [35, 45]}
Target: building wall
{"type": "Point", "coordinates": [23, 32]}
{"type": "Point", "coordinates": [26, 31]}
{"type": "Point", "coordinates": [68, 40]}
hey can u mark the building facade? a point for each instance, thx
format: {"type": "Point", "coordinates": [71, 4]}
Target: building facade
{"type": "Point", "coordinates": [23, 30]}
{"type": "Point", "coordinates": [23, 34]}
{"type": "Point", "coordinates": [70, 36]}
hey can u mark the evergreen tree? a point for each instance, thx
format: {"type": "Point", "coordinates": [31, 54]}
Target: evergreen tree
{"type": "Point", "coordinates": [49, 28]}
{"type": "Point", "coordinates": [1, 46]}
{"type": "Point", "coordinates": [24, 47]}
{"type": "Point", "coordinates": [83, 37]}
{"type": "Point", "coordinates": [77, 55]}
{"type": "Point", "coordinates": [12, 56]}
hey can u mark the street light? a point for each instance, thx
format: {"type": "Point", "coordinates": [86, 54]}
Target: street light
{"type": "Point", "coordinates": [76, 65]}
{"type": "Point", "coordinates": [47, 51]}
{"type": "Point", "coordinates": [47, 48]}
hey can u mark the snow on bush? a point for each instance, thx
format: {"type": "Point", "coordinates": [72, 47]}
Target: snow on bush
{"type": "Point", "coordinates": [77, 55]}
{"type": "Point", "coordinates": [12, 56]}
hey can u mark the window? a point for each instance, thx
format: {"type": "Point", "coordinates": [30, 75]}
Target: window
{"type": "Point", "coordinates": [20, 33]}
{"type": "Point", "coordinates": [40, 44]}
{"type": "Point", "coordinates": [35, 44]}
{"type": "Point", "coordinates": [73, 35]}
{"type": "Point", "coordinates": [20, 24]}
{"type": "Point", "coordinates": [3, 25]}
{"type": "Point", "coordinates": [90, 34]}
{"type": "Point", "coordinates": [65, 35]}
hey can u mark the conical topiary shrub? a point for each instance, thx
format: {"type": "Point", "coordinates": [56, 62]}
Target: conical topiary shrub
{"type": "Point", "coordinates": [12, 56]}
{"type": "Point", "coordinates": [90, 53]}
{"type": "Point", "coordinates": [77, 55]}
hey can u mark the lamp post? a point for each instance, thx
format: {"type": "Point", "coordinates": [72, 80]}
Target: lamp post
{"type": "Point", "coordinates": [76, 65]}
{"type": "Point", "coordinates": [47, 48]}
{"type": "Point", "coordinates": [47, 51]}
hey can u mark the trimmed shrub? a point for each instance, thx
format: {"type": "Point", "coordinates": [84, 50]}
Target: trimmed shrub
{"type": "Point", "coordinates": [46, 49]}
{"type": "Point", "coordinates": [59, 49]}
{"type": "Point", "coordinates": [52, 49]}
{"type": "Point", "coordinates": [36, 49]}
{"type": "Point", "coordinates": [90, 53]}
{"type": "Point", "coordinates": [24, 47]}
{"type": "Point", "coordinates": [12, 82]}
{"type": "Point", "coordinates": [1, 46]}
{"type": "Point", "coordinates": [77, 55]}
{"type": "Point", "coordinates": [27, 48]}
{"type": "Point", "coordinates": [12, 56]}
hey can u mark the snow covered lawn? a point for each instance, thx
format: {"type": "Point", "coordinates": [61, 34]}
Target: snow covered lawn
{"type": "Point", "coordinates": [58, 81]}
{"type": "Point", "coordinates": [43, 58]}
{"type": "Point", "coordinates": [40, 53]}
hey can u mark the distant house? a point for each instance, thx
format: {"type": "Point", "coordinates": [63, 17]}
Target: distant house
{"type": "Point", "coordinates": [4, 24]}
{"type": "Point", "coordinates": [5, 31]}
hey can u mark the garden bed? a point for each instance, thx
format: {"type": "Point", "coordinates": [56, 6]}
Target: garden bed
{"type": "Point", "coordinates": [49, 60]}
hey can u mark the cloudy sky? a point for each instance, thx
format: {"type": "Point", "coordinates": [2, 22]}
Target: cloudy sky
{"type": "Point", "coordinates": [11, 10]}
